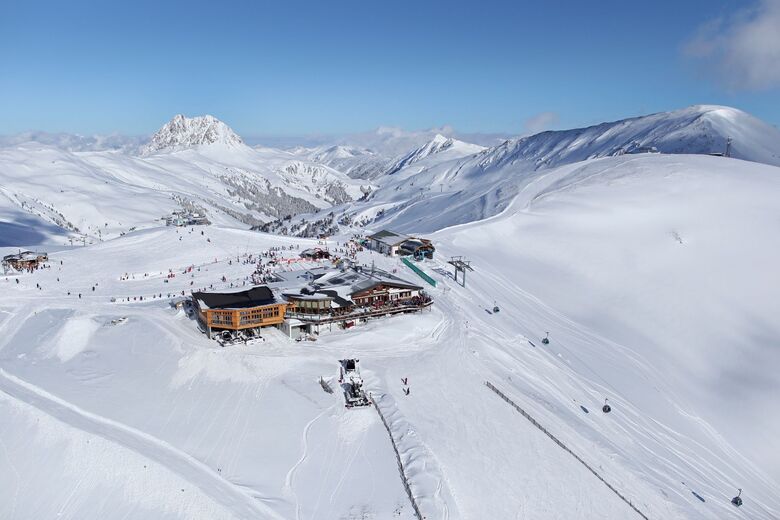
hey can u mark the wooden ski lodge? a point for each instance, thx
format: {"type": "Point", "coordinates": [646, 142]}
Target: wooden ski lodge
{"type": "Point", "coordinates": [248, 309]}
{"type": "Point", "coordinates": [309, 300]}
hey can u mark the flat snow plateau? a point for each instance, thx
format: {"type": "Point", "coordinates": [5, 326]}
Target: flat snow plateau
{"type": "Point", "coordinates": [655, 276]}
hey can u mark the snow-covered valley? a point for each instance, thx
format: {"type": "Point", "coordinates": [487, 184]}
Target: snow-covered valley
{"type": "Point", "coordinates": [654, 274]}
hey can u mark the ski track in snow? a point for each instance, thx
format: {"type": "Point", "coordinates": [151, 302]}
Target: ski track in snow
{"type": "Point", "coordinates": [194, 471]}
{"type": "Point", "coordinates": [289, 480]}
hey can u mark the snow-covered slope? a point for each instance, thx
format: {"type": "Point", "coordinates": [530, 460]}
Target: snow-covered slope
{"type": "Point", "coordinates": [656, 277]}
{"type": "Point", "coordinates": [653, 273]}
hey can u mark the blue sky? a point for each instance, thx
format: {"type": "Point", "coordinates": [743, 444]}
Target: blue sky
{"type": "Point", "coordinates": [294, 68]}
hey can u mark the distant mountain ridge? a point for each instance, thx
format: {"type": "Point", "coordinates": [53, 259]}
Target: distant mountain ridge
{"type": "Point", "coordinates": [356, 162]}
{"type": "Point", "coordinates": [437, 145]}
{"type": "Point", "coordinates": [699, 129]}
{"type": "Point", "coordinates": [437, 181]}
{"type": "Point", "coordinates": [436, 192]}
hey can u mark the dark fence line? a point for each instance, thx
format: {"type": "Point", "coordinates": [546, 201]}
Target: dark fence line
{"type": "Point", "coordinates": [401, 470]}
{"type": "Point", "coordinates": [565, 448]}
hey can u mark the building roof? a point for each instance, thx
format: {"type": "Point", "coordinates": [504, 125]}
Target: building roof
{"type": "Point", "coordinates": [24, 255]}
{"type": "Point", "coordinates": [314, 251]}
{"type": "Point", "coordinates": [417, 243]}
{"type": "Point", "coordinates": [333, 296]}
{"type": "Point", "coordinates": [391, 238]}
{"type": "Point", "coordinates": [367, 285]}
{"type": "Point", "coordinates": [254, 297]}
{"type": "Point", "coordinates": [351, 281]}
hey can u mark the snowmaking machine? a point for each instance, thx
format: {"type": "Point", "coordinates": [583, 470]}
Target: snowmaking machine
{"type": "Point", "coordinates": [352, 384]}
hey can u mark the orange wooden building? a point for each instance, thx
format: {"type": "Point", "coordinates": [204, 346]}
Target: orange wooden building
{"type": "Point", "coordinates": [248, 309]}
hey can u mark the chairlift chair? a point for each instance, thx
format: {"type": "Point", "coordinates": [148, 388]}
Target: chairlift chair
{"type": "Point", "coordinates": [737, 500]}
{"type": "Point", "coordinates": [546, 339]}
{"type": "Point", "coordinates": [495, 306]}
{"type": "Point", "coordinates": [606, 408]}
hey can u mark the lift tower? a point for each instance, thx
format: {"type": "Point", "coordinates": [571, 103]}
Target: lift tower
{"type": "Point", "coordinates": [461, 266]}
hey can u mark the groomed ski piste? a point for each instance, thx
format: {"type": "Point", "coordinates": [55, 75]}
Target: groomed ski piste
{"type": "Point", "coordinates": [653, 275]}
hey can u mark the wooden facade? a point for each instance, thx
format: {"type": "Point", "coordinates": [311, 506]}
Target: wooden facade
{"type": "Point", "coordinates": [248, 318]}
{"type": "Point", "coordinates": [249, 309]}
{"type": "Point", "coordinates": [384, 293]}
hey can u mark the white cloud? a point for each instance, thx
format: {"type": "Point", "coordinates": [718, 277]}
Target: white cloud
{"type": "Point", "coordinates": [742, 51]}
{"type": "Point", "coordinates": [539, 122]}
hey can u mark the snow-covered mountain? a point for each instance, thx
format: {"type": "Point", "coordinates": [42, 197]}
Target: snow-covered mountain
{"type": "Point", "coordinates": [357, 163]}
{"type": "Point", "coordinates": [362, 163]}
{"type": "Point", "coordinates": [439, 182]}
{"type": "Point", "coordinates": [199, 163]}
{"type": "Point", "coordinates": [700, 129]}
{"type": "Point", "coordinates": [428, 197]}
{"type": "Point", "coordinates": [370, 155]}
{"type": "Point", "coordinates": [444, 148]}
{"type": "Point", "coordinates": [185, 132]}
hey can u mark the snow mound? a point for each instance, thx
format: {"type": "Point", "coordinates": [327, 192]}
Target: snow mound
{"type": "Point", "coordinates": [75, 337]}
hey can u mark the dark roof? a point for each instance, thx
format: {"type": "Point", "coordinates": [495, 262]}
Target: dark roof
{"type": "Point", "coordinates": [416, 243]}
{"type": "Point", "coordinates": [388, 237]}
{"type": "Point", "coordinates": [343, 302]}
{"type": "Point", "coordinates": [322, 294]}
{"type": "Point", "coordinates": [254, 297]}
{"type": "Point", "coordinates": [385, 233]}
{"type": "Point", "coordinates": [367, 285]}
